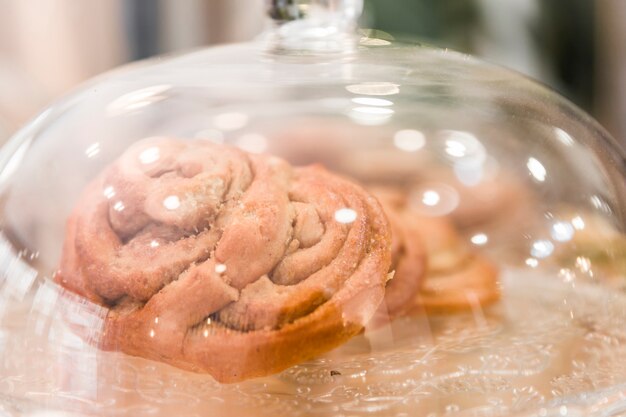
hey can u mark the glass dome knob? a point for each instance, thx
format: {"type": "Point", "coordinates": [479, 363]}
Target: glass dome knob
{"type": "Point", "coordinates": [313, 26]}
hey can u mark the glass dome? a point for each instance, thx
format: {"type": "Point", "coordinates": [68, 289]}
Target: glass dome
{"type": "Point", "coordinates": [314, 223]}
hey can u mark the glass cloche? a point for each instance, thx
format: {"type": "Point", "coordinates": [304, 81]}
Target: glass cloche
{"type": "Point", "coordinates": [317, 223]}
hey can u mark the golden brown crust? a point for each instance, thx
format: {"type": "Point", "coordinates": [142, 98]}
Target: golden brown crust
{"type": "Point", "coordinates": [408, 255]}
{"type": "Point", "coordinates": [443, 275]}
{"type": "Point", "coordinates": [473, 283]}
{"type": "Point", "coordinates": [219, 261]}
{"type": "Point", "coordinates": [457, 278]}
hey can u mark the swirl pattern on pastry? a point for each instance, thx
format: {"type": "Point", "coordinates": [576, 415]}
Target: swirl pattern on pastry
{"type": "Point", "coordinates": [219, 261]}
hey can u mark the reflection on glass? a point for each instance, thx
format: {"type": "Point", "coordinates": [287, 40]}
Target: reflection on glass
{"type": "Point", "coordinates": [370, 116]}
{"type": "Point", "coordinates": [370, 101]}
{"type": "Point", "coordinates": [374, 42]}
{"type": "Point", "coordinates": [375, 111]}
{"type": "Point", "coordinates": [17, 275]}
{"type": "Point", "coordinates": [212, 135]}
{"type": "Point", "coordinates": [537, 170]}
{"type": "Point", "coordinates": [374, 88]}
{"type": "Point", "coordinates": [562, 231]}
{"type": "Point", "coordinates": [463, 146]}
{"type": "Point", "coordinates": [252, 142]}
{"type": "Point", "coordinates": [578, 223]}
{"type": "Point", "coordinates": [92, 150]}
{"type": "Point", "coordinates": [479, 239]}
{"type": "Point", "coordinates": [345, 215]}
{"type": "Point", "coordinates": [583, 263]}
{"type": "Point", "coordinates": [563, 137]}
{"type": "Point", "coordinates": [600, 204]}
{"type": "Point", "coordinates": [230, 121]}
{"type": "Point", "coordinates": [119, 206]}
{"type": "Point", "coordinates": [532, 262]}
{"type": "Point", "coordinates": [567, 275]}
{"type": "Point", "coordinates": [171, 202]}
{"type": "Point", "coordinates": [469, 174]}
{"type": "Point", "coordinates": [455, 148]}
{"type": "Point", "coordinates": [434, 199]}
{"type": "Point", "coordinates": [219, 269]}
{"type": "Point", "coordinates": [431, 198]}
{"type": "Point", "coordinates": [542, 249]}
{"type": "Point", "coordinates": [137, 99]}
{"type": "Point", "coordinates": [409, 140]}
{"type": "Point", "coordinates": [149, 155]}
{"type": "Point", "coordinates": [109, 192]}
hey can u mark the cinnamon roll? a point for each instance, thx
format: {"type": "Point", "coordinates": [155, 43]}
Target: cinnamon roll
{"type": "Point", "coordinates": [457, 277]}
{"type": "Point", "coordinates": [434, 270]}
{"type": "Point", "coordinates": [215, 260]}
{"type": "Point", "coordinates": [408, 254]}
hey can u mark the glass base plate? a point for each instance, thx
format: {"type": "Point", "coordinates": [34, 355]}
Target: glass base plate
{"type": "Point", "coordinates": [548, 348]}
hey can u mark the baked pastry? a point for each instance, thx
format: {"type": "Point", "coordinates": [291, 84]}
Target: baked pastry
{"type": "Point", "coordinates": [457, 278]}
{"type": "Point", "coordinates": [434, 269]}
{"type": "Point", "coordinates": [219, 261]}
{"type": "Point", "coordinates": [408, 254]}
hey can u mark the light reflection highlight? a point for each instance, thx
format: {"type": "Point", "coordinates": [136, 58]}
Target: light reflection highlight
{"type": "Point", "coordinates": [537, 170]}
{"type": "Point", "coordinates": [455, 148]}
{"type": "Point", "coordinates": [480, 239]}
{"type": "Point", "coordinates": [431, 198]}
{"type": "Point", "coordinates": [374, 88]}
{"type": "Point", "coordinates": [532, 262]}
{"type": "Point", "coordinates": [583, 263]}
{"type": "Point", "coordinates": [578, 223]}
{"type": "Point", "coordinates": [463, 147]}
{"type": "Point", "coordinates": [374, 42]}
{"type": "Point", "coordinates": [542, 248]}
{"type": "Point", "coordinates": [567, 275]}
{"type": "Point", "coordinates": [171, 202]}
{"type": "Point", "coordinates": [149, 155]}
{"type": "Point", "coordinates": [600, 204]}
{"type": "Point", "coordinates": [92, 150]}
{"type": "Point", "coordinates": [434, 199]}
{"type": "Point", "coordinates": [137, 99]}
{"type": "Point", "coordinates": [230, 121]}
{"type": "Point", "coordinates": [18, 275]}
{"type": "Point", "coordinates": [596, 201]}
{"type": "Point", "coordinates": [212, 135]}
{"type": "Point", "coordinates": [345, 215]}
{"type": "Point", "coordinates": [562, 231]}
{"type": "Point", "coordinates": [469, 174]}
{"type": "Point", "coordinates": [373, 110]}
{"type": "Point", "coordinates": [563, 137]}
{"type": "Point", "coordinates": [369, 119]}
{"type": "Point", "coordinates": [109, 192]}
{"type": "Point", "coordinates": [252, 142]}
{"type": "Point", "coordinates": [370, 101]}
{"type": "Point", "coordinates": [409, 140]}
{"type": "Point", "coordinates": [119, 206]}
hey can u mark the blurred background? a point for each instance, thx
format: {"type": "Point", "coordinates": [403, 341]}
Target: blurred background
{"type": "Point", "coordinates": [47, 47]}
